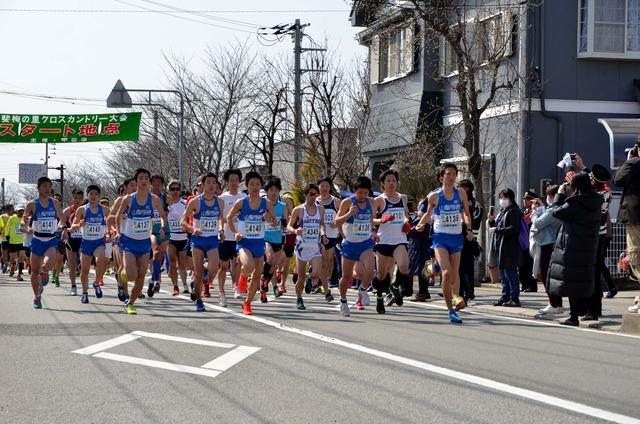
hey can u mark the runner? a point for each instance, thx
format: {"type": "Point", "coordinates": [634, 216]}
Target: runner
{"type": "Point", "coordinates": [356, 218]}
{"type": "Point", "coordinates": [16, 243]}
{"type": "Point", "coordinates": [330, 205]}
{"type": "Point", "coordinates": [208, 213]}
{"type": "Point", "coordinates": [91, 218]}
{"type": "Point", "coordinates": [227, 250]}
{"type": "Point", "coordinates": [7, 212]}
{"type": "Point", "coordinates": [135, 236]}
{"type": "Point", "coordinates": [393, 225]}
{"type": "Point", "coordinates": [289, 246]}
{"type": "Point", "coordinates": [274, 238]}
{"type": "Point", "coordinates": [252, 212]}
{"type": "Point", "coordinates": [307, 222]}
{"type": "Point", "coordinates": [74, 240]}
{"type": "Point", "coordinates": [47, 224]}
{"type": "Point", "coordinates": [159, 236]}
{"type": "Point", "coordinates": [108, 247]}
{"type": "Point", "coordinates": [178, 239]}
{"type": "Point", "coordinates": [448, 205]}
{"type": "Point", "coordinates": [128, 187]}
{"type": "Point", "coordinates": [61, 254]}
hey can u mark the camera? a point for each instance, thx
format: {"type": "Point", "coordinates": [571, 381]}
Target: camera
{"type": "Point", "coordinates": [634, 150]}
{"type": "Point", "coordinates": [573, 156]}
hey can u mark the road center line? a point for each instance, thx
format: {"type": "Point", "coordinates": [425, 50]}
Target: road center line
{"type": "Point", "coordinates": [435, 369]}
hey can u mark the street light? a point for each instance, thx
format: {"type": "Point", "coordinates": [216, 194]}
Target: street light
{"type": "Point", "coordinates": [120, 98]}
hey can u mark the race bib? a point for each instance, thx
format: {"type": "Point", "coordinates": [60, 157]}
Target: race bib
{"type": "Point", "coordinates": [175, 226]}
{"type": "Point", "coordinates": [329, 216]}
{"type": "Point", "coordinates": [311, 234]}
{"type": "Point", "coordinates": [46, 225]}
{"type": "Point", "coordinates": [156, 217]}
{"type": "Point", "coordinates": [93, 231]}
{"type": "Point", "coordinates": [254, 229]}
{"type": "Point", "coordinates": [361, 229]}
{"type": "Point", "coordinates": [209, 226]}
{"type": "Point", "coordinates": [398, 216]}
{"type": "Point", "coordinates": [140, 226]}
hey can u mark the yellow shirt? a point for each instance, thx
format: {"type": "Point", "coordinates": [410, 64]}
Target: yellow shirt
{"type": "Point", "coordinates": [16, 235]}
{"type": "Point", "coordinates": [3, 228]}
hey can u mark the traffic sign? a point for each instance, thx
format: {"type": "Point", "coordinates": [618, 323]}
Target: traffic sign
{"type": "Point", "coordinates": [30, 172]}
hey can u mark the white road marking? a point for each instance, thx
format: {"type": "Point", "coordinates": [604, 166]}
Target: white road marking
{"type": "Point", "coordinates": [90, 350]}
{"type": "Point", "coordinates": [229, 359]}
{"type": "Point", "coordinates": [158, 364]}
{"type": "Point", "coordinates": [435, 369]}
{"type": "Point", "coordinates": [184, 340]}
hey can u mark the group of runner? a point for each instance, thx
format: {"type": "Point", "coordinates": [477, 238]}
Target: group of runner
{"type": "Point", "coordinates": [250, 235]}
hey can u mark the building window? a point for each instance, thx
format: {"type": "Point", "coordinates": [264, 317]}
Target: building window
{"type": "Point", "coordinates": [609, 29]}
{"type": "Point", "coordinates": [486, 39]}
{"type": "Point", "coordinates": [392, 54]}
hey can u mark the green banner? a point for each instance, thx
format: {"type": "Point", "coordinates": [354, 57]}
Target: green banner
{"type": "Point", "coordinates": [69, 128]}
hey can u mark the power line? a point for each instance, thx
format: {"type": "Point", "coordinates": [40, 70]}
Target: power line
{"type": "Point", "coordinates": [16, 10]}
{"type": "Point", "coordinates": [164, 12]}
{"type": "Point", "coordinates": [204, 15]}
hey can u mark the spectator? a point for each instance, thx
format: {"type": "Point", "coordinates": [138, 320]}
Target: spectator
{"type": "Point", "coordinates": [573, 259]}
{"type": "Point", "coordinates": [470, 249]}
{"type": "Point", "coordinates": [419, 252]}
{"type": "Point", "coordinates": [544, 230]}
{"type": "Point", "coordinates": [599, 178]}
{"type": "Point", "coordinates": [628, 178]}
{"type": "Point", "coordinates": [506, 228]}
{"type": "Point", "coordinates": [528, 281]}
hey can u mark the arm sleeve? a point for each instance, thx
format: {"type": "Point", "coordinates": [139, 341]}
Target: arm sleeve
{"type": "Point", "coordinates": [511, 224]}
{"type": "Point", "coordinates": [566, 211]}
{"type": "Point", "coordinates": [623, 174]}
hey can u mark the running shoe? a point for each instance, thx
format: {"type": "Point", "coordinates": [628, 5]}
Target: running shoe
{"type": "Point", "coordinates": [193, 293]}
{"type": "Point", "coordinates": [237, 294]}
{"type": "Point", "coordinates": [397, 296]}
{"type": "Point", "coordinates": [344, 308]}
{"type": "Point", "coordinates": [223, 301]}
{"type": "Point", "coordinates": [4, 268]}
{"type": "Point", "coordinates": [150, 291]}
{"type": "Point", "coordinates": [12, 270]}
{"type": "Point", "coordinates": [300, 305]}
{"type": "Point", "coordinates": [44, 278]}
{"type": "Point", "coordinates": [73, 291]}
{"type": "Point", "coordinates": [207, 291]}
{"type": "Point", "coordinates": [358, 305]}
{"type": "Point", "coordinates": [156, 287]}
{"type": "Point", "coordinates": [126, 299]}
{"type": "Point", "coordinates": [176, 291]}
{"type": "Point", "coordinates": [276, 291]}
{"type": "Point", "coordinates": [131, 309]}
{"type": "Point", "coordinates": [37, 302]}
{"type": "Point", "coordinates": [389, 300]}
{"type": "Point", "coordinates": [454, 318]}
{"type": "Point", "coordinates": [278, 277]}
{"type": "Point", "coordinates": [283, 289]}
{"type": "Point", "coordinates": [101, 282]}
{"type": "Point", "coordinates": [84, 298]}
{"type": "Point", "coordinates": [263, 297]}
{"type": "Point", "coordinates": [328, 298]}
{"type": "Point", "coordinates": [98, 290]}
{"type": "Point", "coordinates": [380, 305]}
{"type": "Point", "coordinates": [246, 308]}
{"type": "Point", "coordinates": [121, 294]}
{"type": "Point", "coordinates": [459, 303]}
{"type": "Point", "coordinates": [317, 290]}
{"type": "Point", "coordinates": [19, 278]}
{"type": "Point", "coordinates": [333, 285]}
{"type": "Point", "coordinates": [308, 285]}
{"type": "Point", "coordinates": [141, 296]}
{"type": "Point", "coordinates": [185, 289]}
{"type": "Point", "coordinates": [200, 306]}
{"type": "Point", "coordinates": [364, 298]}
{"type": "Point", "coordinates": [55, 278]}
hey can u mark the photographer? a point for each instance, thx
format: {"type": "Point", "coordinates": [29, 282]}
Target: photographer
{"type": "Point", "coordinates": [628, 178]}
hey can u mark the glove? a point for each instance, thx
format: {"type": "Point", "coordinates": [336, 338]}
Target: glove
{"type": "Point", "coordinates": [386, 218]}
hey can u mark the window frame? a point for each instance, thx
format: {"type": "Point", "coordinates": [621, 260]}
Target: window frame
{"type": "Point", "coordinates": [406, 32]}
{"type": "Point", "coordinates": [590, 53]}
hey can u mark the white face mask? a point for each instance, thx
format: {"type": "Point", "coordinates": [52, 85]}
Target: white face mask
{"type": "Point", "coordinates": [504, 203]}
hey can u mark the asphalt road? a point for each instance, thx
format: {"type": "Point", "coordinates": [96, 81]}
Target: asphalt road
{"type": "Point", "coordinates": [287, 366]}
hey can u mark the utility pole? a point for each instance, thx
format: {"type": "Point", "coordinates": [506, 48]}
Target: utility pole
{"type": "Point", "coordinates": [297, 93]}
{"type": "Point", "coordinates": [3, 192]}
{"type": "Point", "coordinates": [61, 179]}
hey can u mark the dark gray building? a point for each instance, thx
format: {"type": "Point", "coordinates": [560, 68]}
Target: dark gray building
{"type": "Point", "coordinates": [581, 58]}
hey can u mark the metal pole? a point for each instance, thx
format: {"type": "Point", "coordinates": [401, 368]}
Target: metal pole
{"type": "Point", "coordinates": [62, 182]}
{"type": "Point", "coordinates": [522, 87]}
{"type": "Point", "coordinates": [46, 155]}
{"type": "Point", "coordinates": [3, 192]}
{"type": "Point", "coordinates": [297, 103]}
{"type": "Point", "coordinates": [181, 142]}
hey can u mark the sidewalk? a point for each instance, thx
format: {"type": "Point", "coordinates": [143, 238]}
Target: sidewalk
{"type": "Point", "coordinates": [613, 309]}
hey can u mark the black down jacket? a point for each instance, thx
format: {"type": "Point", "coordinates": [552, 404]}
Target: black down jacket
{"type": "Point", "coordinates": [573, 259]}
